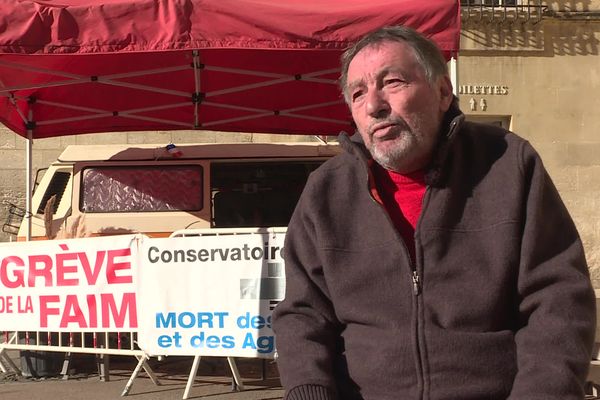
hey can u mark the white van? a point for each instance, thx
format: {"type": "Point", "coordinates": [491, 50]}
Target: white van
{"type": "Point", "coordinates": [158, 189]}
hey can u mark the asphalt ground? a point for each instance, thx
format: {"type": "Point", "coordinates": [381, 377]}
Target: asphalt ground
{"type": "Point", "coordinates": [213, 381]}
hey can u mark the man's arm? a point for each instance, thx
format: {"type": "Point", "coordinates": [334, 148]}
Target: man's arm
{"type": "Point", "coordinates": [557, 303]}
{"type": "Point", "coordinates": [305, 325]}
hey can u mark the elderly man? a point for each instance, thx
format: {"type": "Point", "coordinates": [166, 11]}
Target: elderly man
{"type": "Point", "coordinates": [433, 259]}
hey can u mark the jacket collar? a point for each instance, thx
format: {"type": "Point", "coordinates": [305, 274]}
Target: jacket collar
{"type": "Point", "coordinates": [435, 173]}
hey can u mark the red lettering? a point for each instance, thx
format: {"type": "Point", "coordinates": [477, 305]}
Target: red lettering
{"type": "Point", "coordinates": [92, 275]}
{"type": "Point", "coordinates": [44, 272]}
{"type": "Point", "coordinates": [18, 274]}
{"type": "Point", "coordinates": [113, 267]}
{"type": "Point", "coordinates": [45, 310]}
{"type": "Point", "coordinates": [92, 307]}
{"type": "Point", "coordinates": [72, 313]}
{"type": "Point", "coordinates": [27, 307]}
{"type": "Point", "coordinates": [109, 308]}
{"type": "Point", "coordinates": [6, 304]}
{"type": "Point", "coordinates": [63, 268]}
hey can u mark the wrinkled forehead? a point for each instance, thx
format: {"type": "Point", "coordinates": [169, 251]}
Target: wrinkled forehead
{"type": "Point", "coordinates": [383, 56]}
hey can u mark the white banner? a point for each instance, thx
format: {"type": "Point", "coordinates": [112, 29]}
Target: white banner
{"type": "Point", "coordinates": [75, 285]}
{"type": "Point", "coordinates": [210, 295]}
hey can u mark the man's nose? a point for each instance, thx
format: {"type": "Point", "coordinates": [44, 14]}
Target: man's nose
{"type": "Point", "coordinates": [377, 104]}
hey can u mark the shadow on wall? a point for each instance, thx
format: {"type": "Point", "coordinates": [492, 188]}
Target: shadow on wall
{"type": "Point", "coordinates": [570, 5]}
{"type": "Point", "coordinates": [532, 30]}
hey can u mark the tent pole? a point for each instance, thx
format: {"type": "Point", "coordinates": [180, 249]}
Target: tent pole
{"type": "Point", "coordinates": [28, 173]}
{"type": "Point", "coordinates": [195, 97]}
{"type": "Point", "coordinates": [454, 73]}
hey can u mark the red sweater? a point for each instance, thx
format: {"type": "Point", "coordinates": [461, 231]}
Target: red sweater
{"type": "Point", "coordinates": [402, 197]}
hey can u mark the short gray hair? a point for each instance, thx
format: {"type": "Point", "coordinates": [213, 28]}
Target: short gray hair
{"type": "Point", "coordinates": [427, 53]}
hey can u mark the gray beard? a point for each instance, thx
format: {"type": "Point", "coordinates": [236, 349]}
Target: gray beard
{"type": "Point", "coordinates": [391, 159]}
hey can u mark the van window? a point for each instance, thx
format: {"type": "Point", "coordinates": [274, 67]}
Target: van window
{"type": "Point", "coordinates": [57, 187]}
{"type": "Point", "coordinates": [251, 194]}
{"type": "Point", "coordinates": [141, 189]}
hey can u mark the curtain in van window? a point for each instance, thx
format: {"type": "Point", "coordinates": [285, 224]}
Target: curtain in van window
{"type": "Point", "coordinates": [142, 189]}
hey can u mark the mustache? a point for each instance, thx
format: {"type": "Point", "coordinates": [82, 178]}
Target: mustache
{"type": "Point", "coordinates": [384, 123]}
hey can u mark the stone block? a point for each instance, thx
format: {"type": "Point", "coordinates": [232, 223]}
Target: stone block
{"type": "Point", "coordinates": [583, 153]}
{"type": "Point", "coordinates": [11, 178]}
{"type": "Point", "coordinates": [198, 136]}
{"type": "Point", "coordinates": [232, 137]}
{"type": "Point", "coordinates": [12, 158]}
{"type": "Point", "coordinates": [588, 178]}
{"type": "Point", "coordinates": [149, 137]}
{"type": "Point", "coordinates": [102, 138]}
{"type": "Point", "coordinates": [7, 138]}
{"type": "Point", "coordinates": [47, 144]}
{"type": "Point", "coordinates": [68, 140]}
{"type": "Point", "coordinates": [590, 126]}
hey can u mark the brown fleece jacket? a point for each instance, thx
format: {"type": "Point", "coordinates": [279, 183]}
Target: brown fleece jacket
{"type": "Point", "coordinates": [498, 305]}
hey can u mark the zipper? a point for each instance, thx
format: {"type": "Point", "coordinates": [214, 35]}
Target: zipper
{"type": "Point", "coordinates": [419, 309]}
{"type": "Point", "coordinates": [415, 280]}
{"type": "Point", "coordinates": [416, 284]}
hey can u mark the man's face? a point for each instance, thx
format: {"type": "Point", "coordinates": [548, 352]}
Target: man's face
{"type": "Point", "coordinates": [395, 108]}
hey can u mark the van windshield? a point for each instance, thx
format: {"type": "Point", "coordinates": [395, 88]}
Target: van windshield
{"type": "Point", "coordinates": [257, 194]}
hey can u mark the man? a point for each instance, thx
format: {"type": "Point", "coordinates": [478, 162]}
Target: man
{"type": "Point", "coordinates": [433, 259]}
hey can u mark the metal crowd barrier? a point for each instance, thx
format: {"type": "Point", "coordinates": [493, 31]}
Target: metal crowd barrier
{"type": "Point", "coordinates": [99, 343]}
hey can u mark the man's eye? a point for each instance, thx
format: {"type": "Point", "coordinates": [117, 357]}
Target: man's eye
{"type": "Point", "coordinates": [392, 82]}
{"type": "Point", "coordinates": [357, 95]}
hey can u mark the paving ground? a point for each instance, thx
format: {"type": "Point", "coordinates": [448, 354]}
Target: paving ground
{"type": "Point", "coordinates": [212, 382]}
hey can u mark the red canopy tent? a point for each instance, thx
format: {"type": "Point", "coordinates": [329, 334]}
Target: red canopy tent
{"type": "Point", "coordinates": [83, 66]}
{"type": "Point", "coordinates": [87, 66]}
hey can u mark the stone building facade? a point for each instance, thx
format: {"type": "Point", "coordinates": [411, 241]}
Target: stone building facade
{"type": "Point", "coordinates": [535, 68]}
{"type": "Point", "coordinates": [532, 66]}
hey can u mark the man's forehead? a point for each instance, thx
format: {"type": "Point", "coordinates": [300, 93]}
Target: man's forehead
{"type": "Point", "coordinates": [394, 60]}
{"type": "Point", "coordinates": [386, 51]}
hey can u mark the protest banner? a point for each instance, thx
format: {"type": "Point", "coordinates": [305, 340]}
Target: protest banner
{"type": "Point", "coordinates": [74, 285]}
{"type": "Point", "coordinates": [210, 295]}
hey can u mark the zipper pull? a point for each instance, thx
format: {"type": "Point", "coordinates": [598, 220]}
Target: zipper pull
{"type": "Point", "coordinates": [415, 279]}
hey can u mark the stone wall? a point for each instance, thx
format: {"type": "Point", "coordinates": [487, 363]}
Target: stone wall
{"type": "Point", "coordinates": [550, 79]}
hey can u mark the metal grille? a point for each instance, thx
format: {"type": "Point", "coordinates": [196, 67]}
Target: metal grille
{"type": "Point", "coordinates": [502, 11]}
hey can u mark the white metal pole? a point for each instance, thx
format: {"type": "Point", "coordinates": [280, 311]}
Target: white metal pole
{"type": "Point", "coordinates": [454, 73]}
{"type": "Point", "coordinates": [28, 173]}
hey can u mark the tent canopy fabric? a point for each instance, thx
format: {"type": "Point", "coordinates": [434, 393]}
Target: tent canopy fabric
{"type": "Point", "coordinates": [85, 66]}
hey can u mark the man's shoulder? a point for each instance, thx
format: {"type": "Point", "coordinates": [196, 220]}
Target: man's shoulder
{"type": "Point", "coordinates": [346, 159]}
{"type": "Point", "coordinates": [335, 175]}
{"type": "Point", "coordinates": [487, 131]}
{"type": "Point", "coordinates": [477, 135]}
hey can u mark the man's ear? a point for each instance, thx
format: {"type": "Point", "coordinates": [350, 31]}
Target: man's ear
{"type": "Point", "coordinates": [446, 94]}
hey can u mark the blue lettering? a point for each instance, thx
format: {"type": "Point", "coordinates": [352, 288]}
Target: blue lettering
{"type": "Point", "coordinates": [169, 322]}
